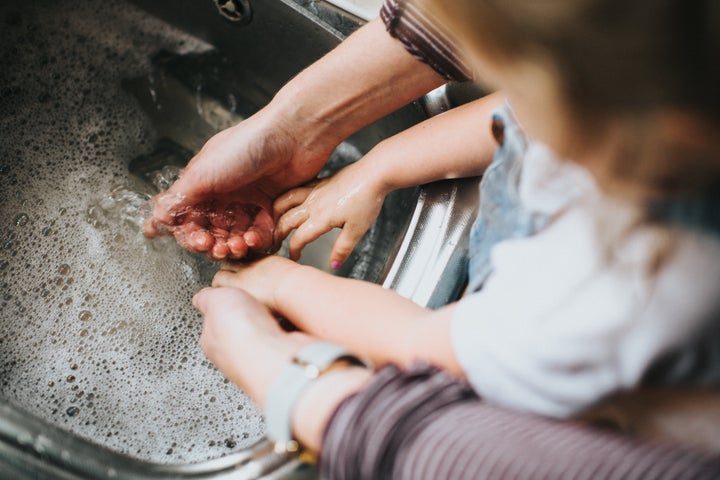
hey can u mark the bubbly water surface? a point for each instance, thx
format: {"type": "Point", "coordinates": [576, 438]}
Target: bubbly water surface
{"type": "Point", "coordinates": [97, 332]}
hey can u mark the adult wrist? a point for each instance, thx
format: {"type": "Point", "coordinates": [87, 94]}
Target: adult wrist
{"type": "Point", "coordinates": [308, 364]}
{"type": "Point", "coordinates": [300, 115]}
{"type": "Point", "coordinates": [318, 403]}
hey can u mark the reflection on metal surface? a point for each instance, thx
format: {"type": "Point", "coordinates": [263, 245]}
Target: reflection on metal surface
{"type": "Point", "coordinates": [431, 266]}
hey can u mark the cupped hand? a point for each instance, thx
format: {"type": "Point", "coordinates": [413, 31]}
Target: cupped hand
{"type": "Point", "coordinates": [224, 226]}
{"type": "Point", "coordinates": [222, 203]}
{"type": "Point", "coordinates": [261, 278]}
{"type": "Point", "coordinates": [349, 200]}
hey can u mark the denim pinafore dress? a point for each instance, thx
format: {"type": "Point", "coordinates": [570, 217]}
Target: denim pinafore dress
{"type": "Point", "coordinates": [501, 215]}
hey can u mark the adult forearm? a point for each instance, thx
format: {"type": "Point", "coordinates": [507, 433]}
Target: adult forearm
{"type": "Point", "coordinates": [421, 424]}
{"type": "Point", "coordinates": [366, 77]}
{"type": "Point", "coordinates": [314, 408]}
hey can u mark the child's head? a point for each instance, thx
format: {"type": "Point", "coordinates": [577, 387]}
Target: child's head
{"type": "Point", "coordinates": [630, 88]}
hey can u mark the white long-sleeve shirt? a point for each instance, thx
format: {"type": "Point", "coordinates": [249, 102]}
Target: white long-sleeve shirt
{"type": "Point", "coordinates": [568, 316]}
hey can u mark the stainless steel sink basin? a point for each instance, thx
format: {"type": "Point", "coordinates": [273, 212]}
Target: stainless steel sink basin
{"type": "Point", "coordinates": [100, 372]}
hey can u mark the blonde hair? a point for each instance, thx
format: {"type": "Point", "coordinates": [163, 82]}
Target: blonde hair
{"type": "Point", "coordinates": [649, 68]}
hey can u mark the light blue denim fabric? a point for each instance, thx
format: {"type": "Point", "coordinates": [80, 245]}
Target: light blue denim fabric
{"type": "Point", "coordinates": [502, 214]}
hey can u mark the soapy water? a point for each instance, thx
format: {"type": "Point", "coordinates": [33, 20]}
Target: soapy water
{"type": "Point", "coordinates": [97, 332]}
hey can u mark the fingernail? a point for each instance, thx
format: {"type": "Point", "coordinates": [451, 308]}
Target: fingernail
{"type": "Point", "coordinates": [335, 264]}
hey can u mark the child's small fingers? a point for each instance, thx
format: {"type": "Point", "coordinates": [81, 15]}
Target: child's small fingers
{"type": "Point", "coordinates": [224, 278]}
{"type": "Point", "coordinates": [344, 245]}
{"type": "Point", "coordinates": [233, 267]}
{"type": "Point", "coordinates": [288, 222]}
{"type": "Point", "coordinates": [290, 199]}
{"type": "Point", "coordinates": [305, 233]}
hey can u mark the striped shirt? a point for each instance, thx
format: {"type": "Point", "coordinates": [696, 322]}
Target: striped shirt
{"type": "Point", "coordinates": [421, 424]}
{"type": "Point", "coordinates": [424, 39]}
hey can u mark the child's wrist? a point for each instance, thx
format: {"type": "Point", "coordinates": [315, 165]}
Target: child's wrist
{"type": "Point", "coordinates": [380, 167]}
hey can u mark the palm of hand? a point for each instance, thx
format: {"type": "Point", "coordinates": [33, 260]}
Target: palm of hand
{"type": "Point", "coordinates": [222, 203]}
{"type": "Point", "coordinates": [232, 225]}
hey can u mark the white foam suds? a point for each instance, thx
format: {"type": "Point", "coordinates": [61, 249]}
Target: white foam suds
{"type": "Point", "coordinates": [97, 332]}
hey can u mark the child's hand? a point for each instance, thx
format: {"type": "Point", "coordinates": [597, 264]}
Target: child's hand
{"type": "Point", "coordinates": [261, 279]}
{"type": "Point", "coordinates": [347, 200]}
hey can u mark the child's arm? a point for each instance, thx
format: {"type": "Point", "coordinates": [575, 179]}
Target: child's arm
{"type": "Point", "coordinates": [369, 320]}
{"type": "Point", "coordinates": [455, 144]}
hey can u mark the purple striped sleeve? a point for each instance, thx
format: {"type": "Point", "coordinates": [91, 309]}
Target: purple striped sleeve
{"type": "Point", "coordinates": [424, 39]}
{"type": "Point", "coordinates": [421, 424]}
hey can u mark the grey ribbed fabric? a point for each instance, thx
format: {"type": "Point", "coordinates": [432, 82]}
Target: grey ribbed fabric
{"type": "Point", "coordinates": [422, 424]}
{"type": "Point", "coordinates": [423, 38]}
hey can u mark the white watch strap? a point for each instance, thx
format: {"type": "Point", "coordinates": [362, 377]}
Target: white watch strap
{"type": "Point", "coordinates": [308, 364]}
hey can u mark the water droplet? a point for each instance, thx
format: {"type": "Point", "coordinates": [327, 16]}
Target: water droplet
{"type": "Point", "coordinates": [64, 269]}
{"type": "Point", "coordinates": [230, 443]}
{"type": "Point", "coordinates": [22, 220]}
{"type": "Point", "coordinates": [85, 315]}
{"type": "Point", "coordinates": [70, 378]}
{"type": "Point", "coordinates": [46, 231]}
{"type": "Point", "coordinates": [72, 411]}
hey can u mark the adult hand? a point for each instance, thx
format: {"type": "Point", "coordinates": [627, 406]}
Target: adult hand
{"type": "Point", "coordinates": [286, 143]}
{"type": "Point", "coordinates": [222, 203]}
{"type": "Point", "coordinates": [350, 200]}
{"type": "Point", "coordinates": [244, 341]}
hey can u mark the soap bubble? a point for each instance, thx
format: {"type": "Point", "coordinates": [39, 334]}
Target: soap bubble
{"type": "Point", "coordinates": [74, 265]}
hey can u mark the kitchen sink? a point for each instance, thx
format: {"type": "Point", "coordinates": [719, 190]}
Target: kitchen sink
{"type": "Point", "coordinates": [101, 103]}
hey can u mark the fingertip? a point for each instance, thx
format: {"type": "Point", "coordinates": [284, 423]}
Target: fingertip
{"type": "Point", "coordinates": [295, 249]}
{"type": "Point", "coordinates": [258, 239]}
{"type": "Point", "coordinates": [220, 250]}
{"type": "Point", "coordinates": [167, 205]}
{"type": "Point", "coordinates": [337, 258]}
{"type": "Point", "coordinates": [219, 279]}
{"type": "Point", "coordinates": [200, 241]}
{"type": "Point", "coordinates": [238, 246]}
{"type": "Point", "coordinates": [199, 298]}
{"type": "Point", "coordinates": [345, 244]}
{"type": "Point", "coordinates": [149, 228]}
{"type": "Point", "coordinates": [252, 239]}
